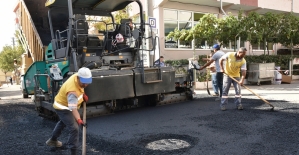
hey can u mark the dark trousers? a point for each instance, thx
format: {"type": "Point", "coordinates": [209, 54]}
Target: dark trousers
{"type": "Point", "coordinates": [219, 80]}
{"type": "Point", "coordinates": [67, 120]}
{"type": "Point", "coordinates": [190, 72]}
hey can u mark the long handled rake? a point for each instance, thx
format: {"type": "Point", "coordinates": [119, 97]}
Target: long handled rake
{"type": "Point", "coordinates": [272, 109]}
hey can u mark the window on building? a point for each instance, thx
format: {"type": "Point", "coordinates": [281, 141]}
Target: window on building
{"type": "Point", "coordinates": [198, 16]}
{"type": "Point", "coordinates": [182, 20]}
{"type": "Point", "coordinates": [258, 46]}
{"type": "Point", "coordinates": [233, 45]}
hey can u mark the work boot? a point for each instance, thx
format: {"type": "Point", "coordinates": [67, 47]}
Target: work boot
{"type": "Point", "coordinates": [223, 108]}
{"type": "Point", "coordinates": [215, 94]}
{"type": "Point", "coordinates": [54, 143]}
{"type": "Point", "coordinates": [240, 107]}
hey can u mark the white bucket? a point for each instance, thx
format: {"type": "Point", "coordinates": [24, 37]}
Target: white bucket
{"type": "Point", "coordinates": [278, 77]}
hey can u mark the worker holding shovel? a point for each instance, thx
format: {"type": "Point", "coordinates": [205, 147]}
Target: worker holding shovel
{"type": "Point", "coordinates": [66, 105]}
{"type": "Point", "coordinates": [234, 63]}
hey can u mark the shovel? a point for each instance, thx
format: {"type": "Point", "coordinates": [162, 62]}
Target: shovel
{"type": "Point", "coordinates": [272, 109]}
{"type": "Point", "coordinates": [84, 130]}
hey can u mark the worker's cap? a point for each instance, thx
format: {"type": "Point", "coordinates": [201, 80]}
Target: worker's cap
{"type": "Point", "coordinates": [216, 46]}
{"type": "Point", "coordinates": [85, 75]}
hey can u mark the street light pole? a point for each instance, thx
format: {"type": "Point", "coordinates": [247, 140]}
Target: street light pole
{"type": "Point", "coordinates": [194, 70]}
{"type": "Point", "coordinates": [292, 5]}
{"type": "Point", "coordinates": [291, 68]}
{"type": "Point", "coordinates": [13, 41]}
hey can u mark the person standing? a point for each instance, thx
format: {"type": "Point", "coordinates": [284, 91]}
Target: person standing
{"type": "Point", "coordinates": [10, 80]}
{"type": "Point", "coordinates": [235, 62]}
{"type": "Point", "coordinates": [160, 62]}
{"type": "Point", "coordinates": [66, 105]}
{"type": "Point", "coordinates": [219, 75]}
{"type": "Point", "coordinates": [214, 80]}
{"type": "Point", "coordinates": [16, 72]}
{"type": "Point", "coordinates": [213, 74]}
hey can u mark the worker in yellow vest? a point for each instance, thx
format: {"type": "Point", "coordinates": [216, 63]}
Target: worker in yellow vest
{"type": "Point", "coordinates": [235, 62]}
{"type": "Point", "coordinates": [66, 104]}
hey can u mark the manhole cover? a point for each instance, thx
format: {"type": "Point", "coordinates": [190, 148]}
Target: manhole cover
{"type": "Point", "coordinates": [167, 144]}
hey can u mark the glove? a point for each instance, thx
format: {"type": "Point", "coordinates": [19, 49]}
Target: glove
{"type": "Point", "coordinates": [85, 97]}
{"type": "Point", "coordinates": [80, 122]}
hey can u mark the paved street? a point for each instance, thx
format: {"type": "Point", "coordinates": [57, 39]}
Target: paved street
{"type": "Point", "coordinates": [8, 91]}
{"type": "Point", "coordinates": [193, 127]}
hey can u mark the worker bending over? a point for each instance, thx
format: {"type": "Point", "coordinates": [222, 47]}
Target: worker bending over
{"type": "Point", "coordinates": [66, 105]}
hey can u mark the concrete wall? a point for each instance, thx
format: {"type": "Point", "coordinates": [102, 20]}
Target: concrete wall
{"type": "Point", "coordinates": [3, 77]}
{"type": "Point", "coordinates": [283, 5]}
{"type": "Point", "coordinates": [26, 62]}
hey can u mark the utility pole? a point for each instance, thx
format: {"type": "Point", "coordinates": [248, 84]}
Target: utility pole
{"type": "Point", "coordinates": [292, 5]}
{"type": "Point", "coordinates": [149, 5]}
{"type": "Point", "coordinates": [13, 41]}
{"type": "Point", "coordinates": [291, 67]}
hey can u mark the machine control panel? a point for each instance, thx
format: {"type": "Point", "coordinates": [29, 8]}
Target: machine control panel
{"type": "Point", "coordinates": [55, 73]}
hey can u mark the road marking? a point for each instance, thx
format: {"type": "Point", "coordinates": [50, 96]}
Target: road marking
{"type": "Point", "coordinates": [167, 144]}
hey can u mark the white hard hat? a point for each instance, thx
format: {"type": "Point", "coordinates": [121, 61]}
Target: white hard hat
{"type": "Point", "coordinates": [85, 75]}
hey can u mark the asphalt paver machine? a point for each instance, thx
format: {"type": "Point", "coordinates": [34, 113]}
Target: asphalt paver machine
{"type": "Point", "coordinates": [115, 56]}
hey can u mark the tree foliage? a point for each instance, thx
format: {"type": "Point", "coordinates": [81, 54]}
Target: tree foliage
{"type": "Point", "coordinates": [230, 28]}
{"type": "Point", "coordinates": [175, 34]}
{"type": "Point", "coordinates": [263, 28]}
{"type": "Point", "coordinates": [7, 56]}
{"type": "Point", "coordinates": [255, 28]}
{"type": "Point", "coordinates": [206, 29]}
{"type": "Point", "coordinates": [118, 15]}
{"type": "Point", "coordinates": [289, 30]}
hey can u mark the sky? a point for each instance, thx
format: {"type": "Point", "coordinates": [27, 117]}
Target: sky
{"type": "Point", "coordinates": [7, 26]}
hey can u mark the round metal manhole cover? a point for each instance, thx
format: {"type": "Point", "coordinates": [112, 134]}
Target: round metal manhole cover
{"type": "Point", "coordinates": [167, 144]}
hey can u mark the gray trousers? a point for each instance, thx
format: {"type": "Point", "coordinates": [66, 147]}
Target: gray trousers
{"type": "Point", "coordinates": [67, 120]}
{"type": "Point", "coordinates": [227, 81]}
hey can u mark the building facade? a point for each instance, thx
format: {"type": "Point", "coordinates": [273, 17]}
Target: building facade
{"type": "Point", "coordinates": [185, 14]}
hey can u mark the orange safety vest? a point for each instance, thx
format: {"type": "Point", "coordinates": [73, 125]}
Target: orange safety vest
{"type": "Point", "coordinates": [71, 85]}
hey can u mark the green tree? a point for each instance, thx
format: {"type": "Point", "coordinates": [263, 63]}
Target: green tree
{"type": "Point", "coordinates": [289, 33]}
{"type": "Point", "coordinates": [174, 35]}
{"type": "Point", "coordinates": [251, 23]}
{"type": "Point", "coordinates": [7, 56]}
{"type": "Point", "coordinates": [118, 15]}
{"type": "Point", "coordinates": [263, 28]}
{"type": "Point", "coordinates": [289, 30]}
{"type": "Point", "coordinates": [230, 28]}
{"type": "Point", "coordinates": [206, 29]}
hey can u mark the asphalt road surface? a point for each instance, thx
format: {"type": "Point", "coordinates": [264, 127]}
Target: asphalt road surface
{"type": "Point", "coordinates": [193, 127]}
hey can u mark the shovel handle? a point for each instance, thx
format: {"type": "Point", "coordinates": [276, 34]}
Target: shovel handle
{"type": "Point", "coordinates": [251, 91]}
{"type": "Point", "coordinates": [84, 130]}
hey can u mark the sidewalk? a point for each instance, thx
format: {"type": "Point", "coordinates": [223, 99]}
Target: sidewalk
{"type": "Point", "coordinates": [8, 91]}
{"type": "Point", "coordinates": [288, 92]}
{"type": "Point", "coordinates": [283, 91]}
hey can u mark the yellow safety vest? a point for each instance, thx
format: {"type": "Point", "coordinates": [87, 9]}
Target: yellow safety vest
{"type": "Point", "coordinates": [71, 85]}
{"type": "Point", "coordinates": [233, 66]}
